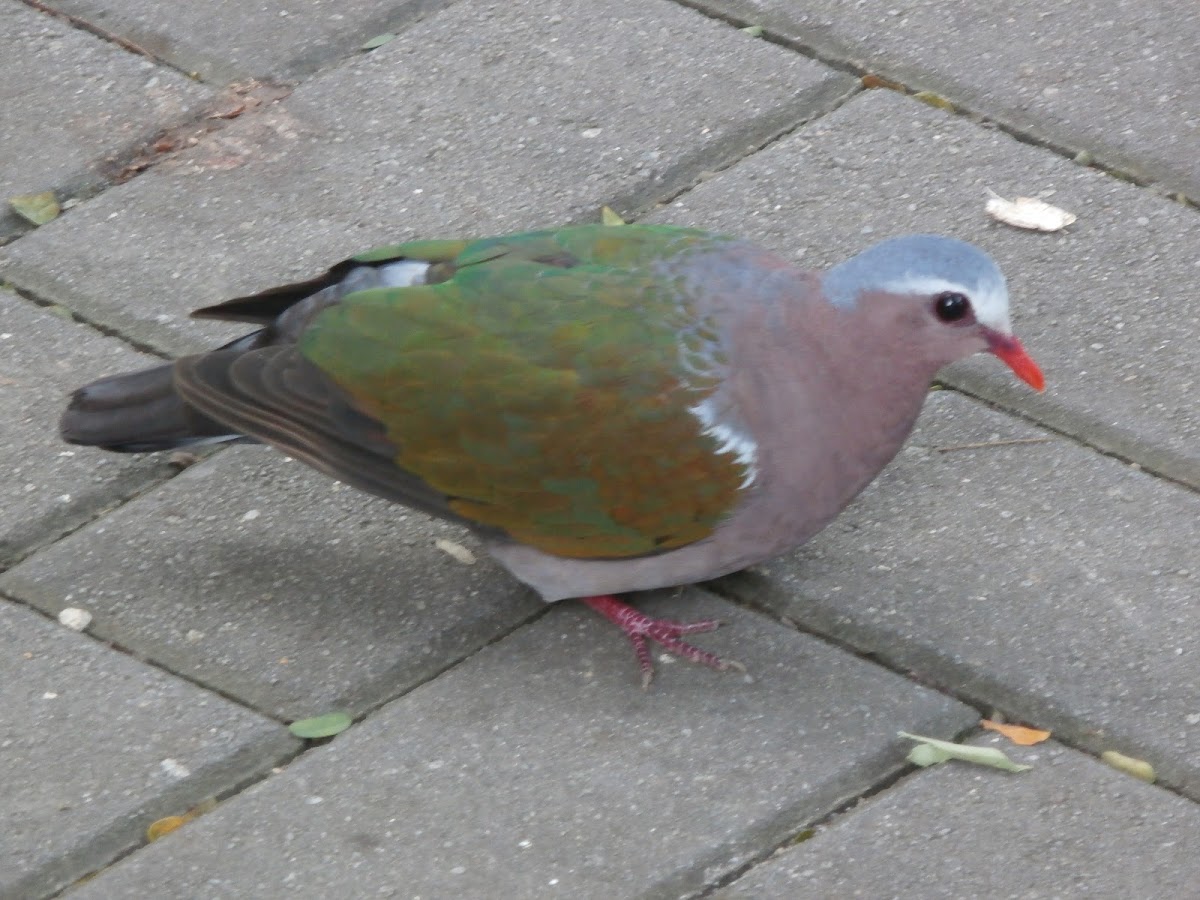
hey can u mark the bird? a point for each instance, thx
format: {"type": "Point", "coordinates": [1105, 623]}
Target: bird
{"type": "Point", "coordinates": [610, 409]}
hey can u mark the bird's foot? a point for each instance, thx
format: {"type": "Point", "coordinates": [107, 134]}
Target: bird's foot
{"type": "Point", "coordinates": [639, 627]}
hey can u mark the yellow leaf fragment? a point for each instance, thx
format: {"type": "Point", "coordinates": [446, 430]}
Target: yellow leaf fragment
{"type": "Point", "coordinates": [609, 216]}
{"type": "Point", "coordinates": [164, 826]}
{"type": "Point", "coordinates": [37, 209]}
{"type": "Point", "coordinates": [167, 824]}
{"type": "Point", "coordinates": [1029, 213]}
{"type": "Point", "coordinates": [1018, 734]}
{"type": "Point", "coordinates": [1138, 768]}
{"type": "Point", "coordinates": [934, 100]}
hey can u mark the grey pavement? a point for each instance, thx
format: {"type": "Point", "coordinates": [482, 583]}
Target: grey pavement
{"type": "Point", "coordinates": [978, 838]}
{"type": "Point", "coordinates": [50, 488]}
{"type": "Point", "coordinates": [539, 767]}
{"type": "Point", "coordinates": [97, 745]}
{"type": "Point", "coordinates": [1114, 81]}
{"type": "Point", "coordinates": [502, 748]}
{"type": "Point", "coordinates": [72, 104]}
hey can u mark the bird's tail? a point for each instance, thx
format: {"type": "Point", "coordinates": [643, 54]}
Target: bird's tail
{"type": "Point", "coordinates": [137, 413]}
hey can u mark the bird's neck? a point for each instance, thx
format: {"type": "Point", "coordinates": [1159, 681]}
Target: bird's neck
{"type": "Point", "coordinates": [849, 394]}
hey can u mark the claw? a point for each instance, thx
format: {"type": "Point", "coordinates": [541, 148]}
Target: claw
{"type": "Point", "coordinates": [639, 628]}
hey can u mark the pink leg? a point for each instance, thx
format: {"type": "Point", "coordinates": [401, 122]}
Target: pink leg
{"type": "Point", "coordinates": [638, 627]}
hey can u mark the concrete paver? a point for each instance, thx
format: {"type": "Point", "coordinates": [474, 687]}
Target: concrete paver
{"type": "Point", "coordinates": [229, 40]}
{"type": "Point", "coordinates": [538, 769]}
{"type": "Point", "coordinates": [1115, 78]}
{"type": "Point", "coordinates": [49, 487]}
{"type": "Point", "coordinates": [1044, 579]}
{"type": "Point", "coordinates": [278, 586]}
{"type": "Point", "coordinates": [1106, 307]}
{"type": "Point", "coordinates": [98, 745]}
{"type": "Point", "coordinates": [1069, 828]}
{"type": "Point", "coordinates": [70, 100]}
{"type": "Point", "coordinates": [548, 122]}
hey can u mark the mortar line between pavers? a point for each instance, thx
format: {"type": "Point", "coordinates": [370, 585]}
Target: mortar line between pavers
{"type": "Point", "coordinates": [958, 108]}
{"type": "Point", "coordinates": [372, 708]}
{"type": "Point", "coordinates": [889, 780]}
{"type": "Point", "coordinates": [1015, 412]}
{"type": "Point", "coordinates": [303, 749]}
{"type": "Point", "coordinates": [82, 319]}
{"type": "Point", "coordinates": [119, 500]}
{"type": "Point", "coordinates": [139, 156]}
{"type": "Point", "coordinates": [117, 646]}
{"type": "Point", "coordinates": [222, 797]}
{"type": "Point", "coordinates": [976, 698]}
{"type": "Point", "coordinates": [780, 135]}
{"type": "Point", "coordinates": [110, 37]}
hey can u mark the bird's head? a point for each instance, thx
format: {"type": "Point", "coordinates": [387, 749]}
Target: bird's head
{"type": "Point", "coordinates": [947, 295]}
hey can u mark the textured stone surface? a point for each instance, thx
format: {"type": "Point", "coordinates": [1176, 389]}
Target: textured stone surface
{"type": "Point", "coordinates": [538, 768]}
{"type": "Point", "coordinates": [224, 40]}
{"type": "Point", "coordinates": [547, 123]}
{"type": "Point", "coordinates": [278, 586]}
{"type": "Point", "coordinates": [97, 745]}
{"type": "Point", "coordinates": [1041, 579]}
{"type": "Point", "coordinates": [1106, 307]}
{"type": "Point", "coordinates": [1069, 828]}
{"type": "Point", "coordinates": [69, 101]}
{"type": "Point", "coordinates": [1113, 77]}
{"type": "Point", "coordinates": [49, 487]}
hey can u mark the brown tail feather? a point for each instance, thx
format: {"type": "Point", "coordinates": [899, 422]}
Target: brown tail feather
{"type": "Point", "coordinates": [137, 413]}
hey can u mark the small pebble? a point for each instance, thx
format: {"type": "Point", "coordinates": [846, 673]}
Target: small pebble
{"type": "Point", "coordinates": [75, 618]}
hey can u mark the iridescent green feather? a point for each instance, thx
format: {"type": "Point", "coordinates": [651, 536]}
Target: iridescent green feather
{"type": "Point", "coordinates": [540, 387]}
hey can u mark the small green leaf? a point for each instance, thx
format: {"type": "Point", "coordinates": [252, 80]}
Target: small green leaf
{"type": "Point", "coordinates": [321, 726]}
{"type": "Point", "coordinates": [608, 216]}
{"type": "Point", "coordinates": [753, 30]}
{"type": "Point", "coordinates": [36, 208]}
{"type": "Point", "coordinates": [926, 755]}
{"type": "Point", "coordinates": [930, 751]}
{"type": "Point", "coordinates": [378, 41]}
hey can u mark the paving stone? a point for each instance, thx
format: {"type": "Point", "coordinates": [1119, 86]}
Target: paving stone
{"type": "Point", "coordinates": [99, 745]}
{"type": "Point", "coordinates": [1116, 78]}
{"type": "Point", "coordinates": [538, 767]}
{"type": "Point", "coordinates": [273, 584]}
{"type": "Point", "coordinates": [228, 40]}
{"type": "Point", "coordinates": [1069, 828]}
{"type": "Point", "coordinates": [434, 134]}
{"type": "Point", "coordinates": [71, 100]}
{"type": "Point", "coordinates": [49, 487]}
{"type": "Point", "coordinates": [1041, 579]}
{"type": "Point", "coordinates": [1107, 307]}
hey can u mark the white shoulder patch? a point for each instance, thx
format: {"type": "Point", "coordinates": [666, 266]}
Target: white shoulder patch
{"type": "Point", "coordinates": [402, 273]}
{"type": "Point", "coordinates": [729, 440]}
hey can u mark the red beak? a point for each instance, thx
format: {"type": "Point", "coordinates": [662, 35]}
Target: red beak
{"type": "Point", "coordinates": [1010, 350]}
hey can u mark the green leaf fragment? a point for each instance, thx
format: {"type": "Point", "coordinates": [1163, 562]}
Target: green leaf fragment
{"type": "Point", "coordinates": [378, 41]}
{"type": "Point", "coordinates": [753, 30]}
{"type": "Point", "coordinates": [321, 726]}
{"type": "Point", "coordinates": [609, 216]}
{"type": "Point", "coordinates": [36, 208]}
{"type": "Point", "coordinates": [930, 751]}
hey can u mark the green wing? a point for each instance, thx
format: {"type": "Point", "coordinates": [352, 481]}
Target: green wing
{"type": "Point", "coordinates": [537, 387]}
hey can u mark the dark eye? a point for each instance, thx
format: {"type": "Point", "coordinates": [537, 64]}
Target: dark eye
{"type": "Point", "coordinates": [950, 307]}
